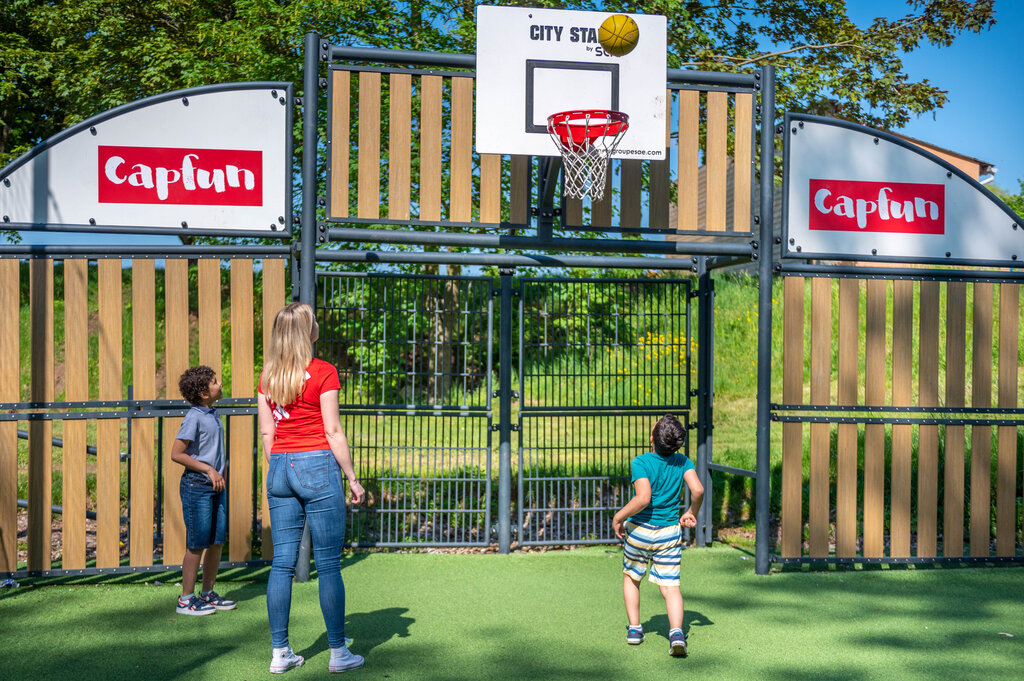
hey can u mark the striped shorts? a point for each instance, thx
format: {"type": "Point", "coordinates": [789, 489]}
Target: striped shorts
{"type": "Point", "coordinates": [662, 547]}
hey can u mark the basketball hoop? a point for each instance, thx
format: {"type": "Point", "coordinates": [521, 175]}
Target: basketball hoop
{"type": "Point", "coordinates": [586, 140]}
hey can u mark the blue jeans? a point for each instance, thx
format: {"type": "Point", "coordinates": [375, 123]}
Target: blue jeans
{"type": "Point", "coordinates": [205, 511]}
{"type": "Point", "coordinates": [301, 485]}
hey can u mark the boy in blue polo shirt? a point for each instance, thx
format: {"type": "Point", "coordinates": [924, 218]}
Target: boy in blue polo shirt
{"type": "Point", "coordinates": [199, 447]}
{"type": "Point", "coordinates": [652, 528]}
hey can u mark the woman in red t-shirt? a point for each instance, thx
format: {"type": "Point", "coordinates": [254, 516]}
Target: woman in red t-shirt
{"type": "Point", "coordinates": [306, 453]}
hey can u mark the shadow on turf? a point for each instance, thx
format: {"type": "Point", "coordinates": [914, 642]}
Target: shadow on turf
{"type": "Point", "coordinates": [368, 630]}
{"type": "Point", "coordinates": [658, 624]}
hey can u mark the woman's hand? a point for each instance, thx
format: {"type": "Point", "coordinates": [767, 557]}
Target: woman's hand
{"type": "Point", "coordinates": [357, 491]}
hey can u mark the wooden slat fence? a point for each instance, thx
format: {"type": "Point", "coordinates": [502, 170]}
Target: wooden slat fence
{"type": "Point", "coordinates": [95, 328]}
{"type": "Point", "coordinates": [401, 149]}
{"type": "Point", "coordinates": [918, 477]}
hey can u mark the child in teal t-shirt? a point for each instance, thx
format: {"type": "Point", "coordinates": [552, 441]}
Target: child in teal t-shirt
{"type": "Point", "coordinates": [652, 528]}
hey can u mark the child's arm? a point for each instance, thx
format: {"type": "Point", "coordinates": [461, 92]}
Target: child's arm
{"type": "Point", "coordinates": [640, 500]}
{"type": "Point", "coordinates": [689, 517]}
{"type": "Point", "coordinates": [179, 456]}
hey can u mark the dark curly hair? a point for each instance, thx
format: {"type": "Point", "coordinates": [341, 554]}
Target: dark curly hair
{"type": "Point", "coordinates": [669, 435]}
{"type": "Point", "coordinates": [194, 382]}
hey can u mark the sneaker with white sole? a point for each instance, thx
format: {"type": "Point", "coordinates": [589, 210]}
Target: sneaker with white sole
{"type": "Point", "coordinates": [193, 605]}
{"type": "Point", "coordinates": [677, 643]}
{"type": "Point", "coordinates": [343, 659]}
{"type": "Point", "coordinates": [634, 635]}
{"type": "Point", "coordinates": [285, 659]}
{"type": "Point", "coordinates": [217, 601]}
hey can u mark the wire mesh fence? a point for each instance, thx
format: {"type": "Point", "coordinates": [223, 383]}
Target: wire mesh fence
{"type": "Point", "coordinates": [599, 361]}
{"type": "Point", "coordinates": [413, 355]}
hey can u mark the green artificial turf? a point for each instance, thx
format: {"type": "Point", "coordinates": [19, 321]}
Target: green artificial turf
{"type": "Point", "coordinates": [553, 616]}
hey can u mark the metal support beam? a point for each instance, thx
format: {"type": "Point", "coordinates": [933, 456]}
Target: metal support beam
{"type": "Point", "coordinates": [705, 395]}
{"type": "Point", "coordinates": [307, 256]}
{"type": "Point", "coordinates": [547, 183]}
{"type": "Point", "coordinates": [741, 249]}
{"type": "Point", "coordinates": [505, 411]}
{"type": "Point", "coordinates": [764, 322]}
{"type": "Point", "coordinates": [502, 260]}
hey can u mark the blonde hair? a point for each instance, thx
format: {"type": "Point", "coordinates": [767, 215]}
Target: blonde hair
{"type": "Point", "coordinates": [289, 354]}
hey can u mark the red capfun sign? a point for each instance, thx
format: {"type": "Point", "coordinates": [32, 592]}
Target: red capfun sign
{"type": "Point", "coordinates": [892, 207]}
{"type": "Point", "coordinates": [198, 177]}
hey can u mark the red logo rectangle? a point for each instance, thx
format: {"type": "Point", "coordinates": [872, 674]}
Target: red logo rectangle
{"type": "Point", "coordinates": [198, 177]}
{"type": "Point", "coordinates": [893, 207]}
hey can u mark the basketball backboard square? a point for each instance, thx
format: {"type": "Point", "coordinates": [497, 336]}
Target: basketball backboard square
{"type": "Point", "coordinates": [532, 63]}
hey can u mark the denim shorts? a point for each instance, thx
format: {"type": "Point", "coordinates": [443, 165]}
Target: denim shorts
{"type": "Point", "coordinates": [204, 509]}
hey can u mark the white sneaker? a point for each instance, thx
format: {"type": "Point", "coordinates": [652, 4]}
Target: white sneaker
{"type": "Point", "coordinates": [343, 659]}
{"type": "Point", "coordinates": [285, 659]}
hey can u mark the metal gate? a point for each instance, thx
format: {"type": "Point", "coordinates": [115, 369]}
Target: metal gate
{"type": "Point", "coordinates": [599, 361]}
{"type": "Point", "coordinates": [414, 358]}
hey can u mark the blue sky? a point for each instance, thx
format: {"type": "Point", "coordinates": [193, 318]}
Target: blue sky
{"type": "Point", "coordinates": [983, 117]}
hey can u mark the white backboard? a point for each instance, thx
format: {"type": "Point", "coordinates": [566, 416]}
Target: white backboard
{"type": "Point", "coordinates": [531, 63]}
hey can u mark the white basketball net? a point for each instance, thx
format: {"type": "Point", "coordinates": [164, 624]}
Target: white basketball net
{"type": "Point", "coordinates": [586, 140]}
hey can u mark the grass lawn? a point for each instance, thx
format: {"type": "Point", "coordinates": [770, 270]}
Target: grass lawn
{"type": "Point", "coordinates": [555, 615]}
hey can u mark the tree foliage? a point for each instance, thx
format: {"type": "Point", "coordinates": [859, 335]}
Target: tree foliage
{"type": "Point", "coordinates": [63, 61]}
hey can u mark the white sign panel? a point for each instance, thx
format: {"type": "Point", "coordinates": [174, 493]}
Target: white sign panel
{"type": "Point", "coordinates": [209, 159]}
{"type": "Point", "coordinates": [856, 193]}
{"type": "Point", "coordinates": [531, 63]}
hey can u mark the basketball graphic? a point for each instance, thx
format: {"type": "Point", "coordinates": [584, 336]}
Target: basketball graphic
{"type": "Point", "coordinates": [618, 35]}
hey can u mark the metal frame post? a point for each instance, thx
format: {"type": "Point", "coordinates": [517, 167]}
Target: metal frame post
{"type": "Point", "coordinates": [307, 254]}
{"type": "Point", "coordinates": [705, 395]}
{"type": "Point", "coordinates": [764, 320]}
{"type": "Point", "coordinates": [505, 411]}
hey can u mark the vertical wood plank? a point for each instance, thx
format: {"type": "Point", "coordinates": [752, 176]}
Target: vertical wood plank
{"type": "Point", "coordinates": [10, 391]}
{"type": "Point", "coordinates": [368, 154]}
{"type": "Point", "coordinates": [874, 434]}
{"type": "Point", "coordinates": [430, 148]}
{"type": "Point", "coordinates": [400, 147]}
{"type": "Point", "coordinates": [108, 431]}
{"type": "Point", "coordinates": [601, 211]}
{"type": "Point", "coordinates": [629, 204]}
{"type": "Point", "coordinates": [209, 313]}
{"type": "Point", "coordinates": [716, 159]}
{"type": "Point", "coordinates": [490, 188]}
{"type": "Point", "coordinates": [956, 363]}
{"type": "Point", "coordinates": [981, 436]}
{"type": "Point", "coordinates": [240, 456]}
{"type": "Point", "coordinates": [792, 432]}
{"type": "Point", "coordinates": [1006, 466]}
{"type": "Point", "coordinates": [40, 433]}
{"type": "Point", "coordinates": [519, 192]}
{"type": "Point", "coordinates": [821, 373]}
{"type": "Point", "coordinates": [660, 175]}
{"type": "Point", "coordinates": [460, 185]}
{"type": "Point", "coordinates": [176, 361]}
{"type": "Point", "coordinates": [144, 381]}
{"type": "Point", "coordinates": [902, 367]}
{"type": "Point", "coordinates": [928, 436]}
{"type": "Point", "coordinates": [341, 96]}
{"type": "Point", "coordinates": [76, 389]}
{"type": "Point", "coordinates": [743, 118]}
{"type": "Point", "coordinates": [846, 452]}
{"type": "Point", "coordinates": [572, 212]}
{"type": "Point", "coordinates": [689, 148]}
{"type": "Point", "coordinates": [273, 300]}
